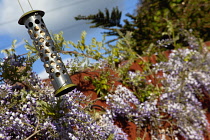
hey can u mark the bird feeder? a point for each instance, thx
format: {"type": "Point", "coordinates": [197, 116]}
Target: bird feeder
{"type": "Point", "coordinates": [45, 46]}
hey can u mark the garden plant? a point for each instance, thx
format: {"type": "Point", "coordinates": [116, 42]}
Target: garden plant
{"type": "Point", "coordinates": [162, 97]}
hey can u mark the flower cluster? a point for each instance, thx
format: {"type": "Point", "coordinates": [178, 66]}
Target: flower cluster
{"type": "Point", "coordinates": [75, 65]}
{"type": "Point", "coordinates": [192, 41]}
{"type": "Point", "coordinates": [14, 68]}
{"type": "Point", "coordinates": [38, 114]}
{"type": "Point", "coordinates": [81, 124]}
{"type": "Point", "coordinates": [125, 104]}
{"type": "Point", "coordinates": [164, 43]}
{"type": "Point", "coordinates": [19, 117]}
{"type": "Point", "coordinates": [186, 76]}
{"type": "Point", "coordinates": [136, 78]}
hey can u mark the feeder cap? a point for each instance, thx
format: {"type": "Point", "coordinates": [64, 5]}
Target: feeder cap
{"type": "Point", "coordinates": [21, 20]}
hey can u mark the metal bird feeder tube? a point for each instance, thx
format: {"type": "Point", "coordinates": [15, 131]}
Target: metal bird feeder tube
{"type": "Point", "coordinates": [45, 46]}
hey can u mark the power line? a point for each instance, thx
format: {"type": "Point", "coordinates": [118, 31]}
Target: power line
{"type": "Point", "coordinates": [67, 5]}
{"type": "Point", "coordinates": [7, 22]}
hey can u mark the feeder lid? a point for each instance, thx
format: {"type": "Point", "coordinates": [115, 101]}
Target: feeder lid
{"type": "Point", "coordinates": [21, 20]}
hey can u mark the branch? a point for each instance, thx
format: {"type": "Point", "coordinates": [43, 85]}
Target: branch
{"type": "Point", "coordinates": [77, 53]}
{"type": "Point", "coordinates": [35, 132]}
{"type": "Point", "coordinates": [68, 52]}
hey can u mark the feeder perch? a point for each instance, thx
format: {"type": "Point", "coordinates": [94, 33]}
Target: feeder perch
{"type": "Point", "coordinates": [45, 46]}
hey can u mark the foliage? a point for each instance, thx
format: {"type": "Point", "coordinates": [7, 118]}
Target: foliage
{"type": "Point", "coordinates": [43, 116]}
{"type": "Point", "coordinates": [15, 68]}
{"type": "Point", "coordinates": [29, 109]}
{"type": "Point", "coordinates": [87, 51]}
{"type": "Point", "coordinates": [101, 83]}
{"type": "Point", "coordinates": [185, 78]}
{"type": "Point", "coordinates": [150, 21]}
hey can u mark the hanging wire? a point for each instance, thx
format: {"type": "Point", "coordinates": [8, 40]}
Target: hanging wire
{"type": "Point", "coordinates": [30, 5]}
{"type": "Point", "coordinates": [21, 6]}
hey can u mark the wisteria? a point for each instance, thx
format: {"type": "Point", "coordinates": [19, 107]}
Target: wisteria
{"type": "Point", "coordinates": [125, 104]}
{"type": "Point", "coordinates": [186, 77]}
{"type": "Point", "coordinates": [170, 108]}
{"type": "Point", "coordinates": [38, 114]}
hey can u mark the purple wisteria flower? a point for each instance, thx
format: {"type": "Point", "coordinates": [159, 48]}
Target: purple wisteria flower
{"type": "Point", "coordinates": [186, 75]}
{"type": "Point", "coordinates": [37, 113]}
{"type": "Point", "coordinates": [125, 104]}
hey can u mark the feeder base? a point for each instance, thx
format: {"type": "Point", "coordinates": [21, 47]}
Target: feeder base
{"type": "Point", "coordinates": [64, 89]}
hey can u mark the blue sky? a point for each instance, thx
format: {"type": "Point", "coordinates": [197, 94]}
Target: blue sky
{"type": "Point", "coordinates": [59, 16]}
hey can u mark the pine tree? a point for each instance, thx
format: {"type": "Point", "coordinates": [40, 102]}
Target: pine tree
{"type": "Point", "coordinates": [104, 20]}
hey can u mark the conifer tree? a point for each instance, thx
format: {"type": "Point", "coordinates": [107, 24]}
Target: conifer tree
{"type": "Point", "coordinates": [104, 20]}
